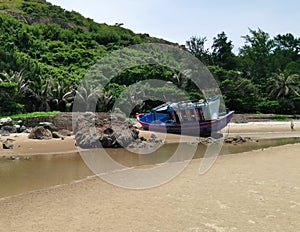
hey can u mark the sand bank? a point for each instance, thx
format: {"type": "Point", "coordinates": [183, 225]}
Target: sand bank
{"type": "Point", "coordinates": [252, 191]}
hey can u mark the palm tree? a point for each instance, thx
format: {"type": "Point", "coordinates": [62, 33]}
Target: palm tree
{"type": "Point", "coordinates": [104, 100]}
{"type": "Point", "coordinates": [284, 85]}
{"type": "Point", "coordinates": [181, 77]}
{"type": "Point", "coordinates": [23, 85]}
{"type": "Point", "coordinates": [86, 96]}
{"type": "Point", "coordinates": [61, 95]}
{"type": "Point", "coordinates": [16, 90]}
{"type": "Point", "coordinates": [45, 93]}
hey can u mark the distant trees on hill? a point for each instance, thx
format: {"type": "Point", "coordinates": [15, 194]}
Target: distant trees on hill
{"type": "Point", "coordinates": [262, 77]}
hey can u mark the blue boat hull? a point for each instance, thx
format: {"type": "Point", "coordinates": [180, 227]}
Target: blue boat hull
{"type": "Point", "coordinates": [203, 128]}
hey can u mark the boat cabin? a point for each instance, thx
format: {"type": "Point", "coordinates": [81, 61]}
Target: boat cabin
{"type": "Point", "coordinates": [186, 111]}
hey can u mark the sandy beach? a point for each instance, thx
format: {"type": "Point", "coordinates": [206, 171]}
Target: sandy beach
{"type": "Point", "coordinates": [250, 191]}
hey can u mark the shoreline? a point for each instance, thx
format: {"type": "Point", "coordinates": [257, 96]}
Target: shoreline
{"type": "Point", "coordinates": [256, 130]}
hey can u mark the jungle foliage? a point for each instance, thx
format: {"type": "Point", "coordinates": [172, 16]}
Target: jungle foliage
{"type": "Point", "coordinates": [45, 51]}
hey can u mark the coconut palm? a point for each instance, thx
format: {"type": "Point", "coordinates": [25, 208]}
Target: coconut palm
{"type": "Point", "coordinates": [284, 85]}
{"type": "Point", "coordinates": [86, 96]}
{"type": "Point", "coordinates": [44, 93]}
{"type": "Point", "coordinates": [23, 85]}
{"type": "Point", "coordinates": [106, 97]}
{"type": "Point", "coordinates": [15, 91]}
{"type": "Point", "coordinates": [181, 77]}
{"type": "Point", "coordinates": [60, 97]}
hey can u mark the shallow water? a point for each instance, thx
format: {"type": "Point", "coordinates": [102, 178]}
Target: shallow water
{"type": "Point", "coordinates": [19, 176]}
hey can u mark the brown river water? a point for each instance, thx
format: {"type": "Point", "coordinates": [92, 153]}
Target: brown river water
{"type": "Point", "coordinates": [39, 172]}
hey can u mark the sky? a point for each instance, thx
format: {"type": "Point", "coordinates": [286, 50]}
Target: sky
{"type": "Point", "coordinates": [177, 21]}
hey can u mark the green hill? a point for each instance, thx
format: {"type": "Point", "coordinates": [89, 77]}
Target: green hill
{"type": "Point", "coordinates": [45, 51]}
{"type": "Point", "coordinates": [35, 33]}
{"type": "Point", "coordinates": [49, 46]}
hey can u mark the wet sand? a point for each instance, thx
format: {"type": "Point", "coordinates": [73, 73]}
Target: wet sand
{"type": "Point", "coordinates": [251, 191]}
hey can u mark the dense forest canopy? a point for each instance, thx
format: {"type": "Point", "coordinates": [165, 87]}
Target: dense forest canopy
{"type": "Point", "coordinates": [45, 51]}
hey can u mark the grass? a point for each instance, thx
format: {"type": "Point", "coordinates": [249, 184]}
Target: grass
{"type": "Point", "coordinates": [281, 117]}
{"type": "Point", "coordinates": [30, 115]}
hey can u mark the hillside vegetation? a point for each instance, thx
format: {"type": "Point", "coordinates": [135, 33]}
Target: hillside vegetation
{"type": "Point", "coordinates": [45, 51]}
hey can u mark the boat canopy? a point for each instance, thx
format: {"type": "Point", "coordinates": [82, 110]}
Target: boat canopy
{"type": "Point", "coordinates": [210, 107]}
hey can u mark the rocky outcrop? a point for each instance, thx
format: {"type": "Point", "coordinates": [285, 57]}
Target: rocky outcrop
{"type": "Point", "coordinates": [40, 132]}
{"type": "Point", "coordinates": [6, 122]}
{"type": "Point", "coordinates": [7, 126]}
{"type": "Point", "coordinates": [102, 129]}
{"type": "Point", "coordinates": [48, 125]}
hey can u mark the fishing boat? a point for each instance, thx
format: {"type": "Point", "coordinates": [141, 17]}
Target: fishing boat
{"type": "Point", "coordinates": [199, 117]}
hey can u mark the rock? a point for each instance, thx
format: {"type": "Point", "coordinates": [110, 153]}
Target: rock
{"type": "Point", "coordinates": [110, 130]}
{"type": "Point", "coordinates": [40, 132]}
{"type": "Point", "coordinates": [17, 127]}
{"type": "Point", "coordinates": [27, 130]}
{"type": "Point", "coordinates": [153, 136]}
{"type": "Point", "coordinates": [143, 138]}
{"type": "Point", "coordinates": [22, 129]}
{"type": "Point", "coordinates": [4, 133]}
{"type": "Point", "coordinates": [9, 129]}
{"type": "Point", "coordinates": [125, 137]}
{"type": "Point", "coordinates": [238, 139]}
{"type": "Point", "coordinates": [6, 122]}
{"type": "Point", "coordinates": [56, 135]}
{"type": "Point", "coordinates": [14, 157]}
{"type": "Point", "coordinates": [63, 121]}
{"type": "Point", "coordinates": [65, 132]}
{"type": "Point", "coordinates": [48, 125]}
{"type": "Point", "coordinates": [8, 144]}
{"type": "Point", "coordinates": [20, 122]}
{"type": "Point", "coordinates": [108, 141]}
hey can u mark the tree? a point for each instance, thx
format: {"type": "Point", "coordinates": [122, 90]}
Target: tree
{"type": "Point", "coordinates": [13, 88]}
{"type": "Point", "coordinates": [59, 99]}
{"type": "Point", "coordinates": [222, 54]}
{"type": "Point", "coordinates": [196, 46]}
{"type": "Point", "coordinates": [240, 94]}
{"type": "Point", "coordinates": [23, 85]}
{"type": "Point", "coordinates": [181, 77]}
{"type": "Point", "coordinates": [286, 52]}
{"type": "Point", "coordinates": [284, 85]}
{"type": "Point", "coordinates": [255, 55]}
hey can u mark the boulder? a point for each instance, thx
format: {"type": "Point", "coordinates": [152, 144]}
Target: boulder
{"type": "Point", "coordinates": [48, 125]}
{"type": "Point", "coordinates": [4, 133]}
{"type": "Point", "coordinates": [6, 122]}
{"type": "Point", "coordinates": [8, 144]}
{"type": "Point", "coordinates": [9, 129]}
{"type": "Point", "coordinates": [57, 135]}
{"type": "Point", "coordinates": [40, 132]}
{"type": "Point", "coordinates": [65, 132]}
{"type": "Point", "coordinates": [109, 130]}
{"type": "Point", "coordinates": [22, 129]}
